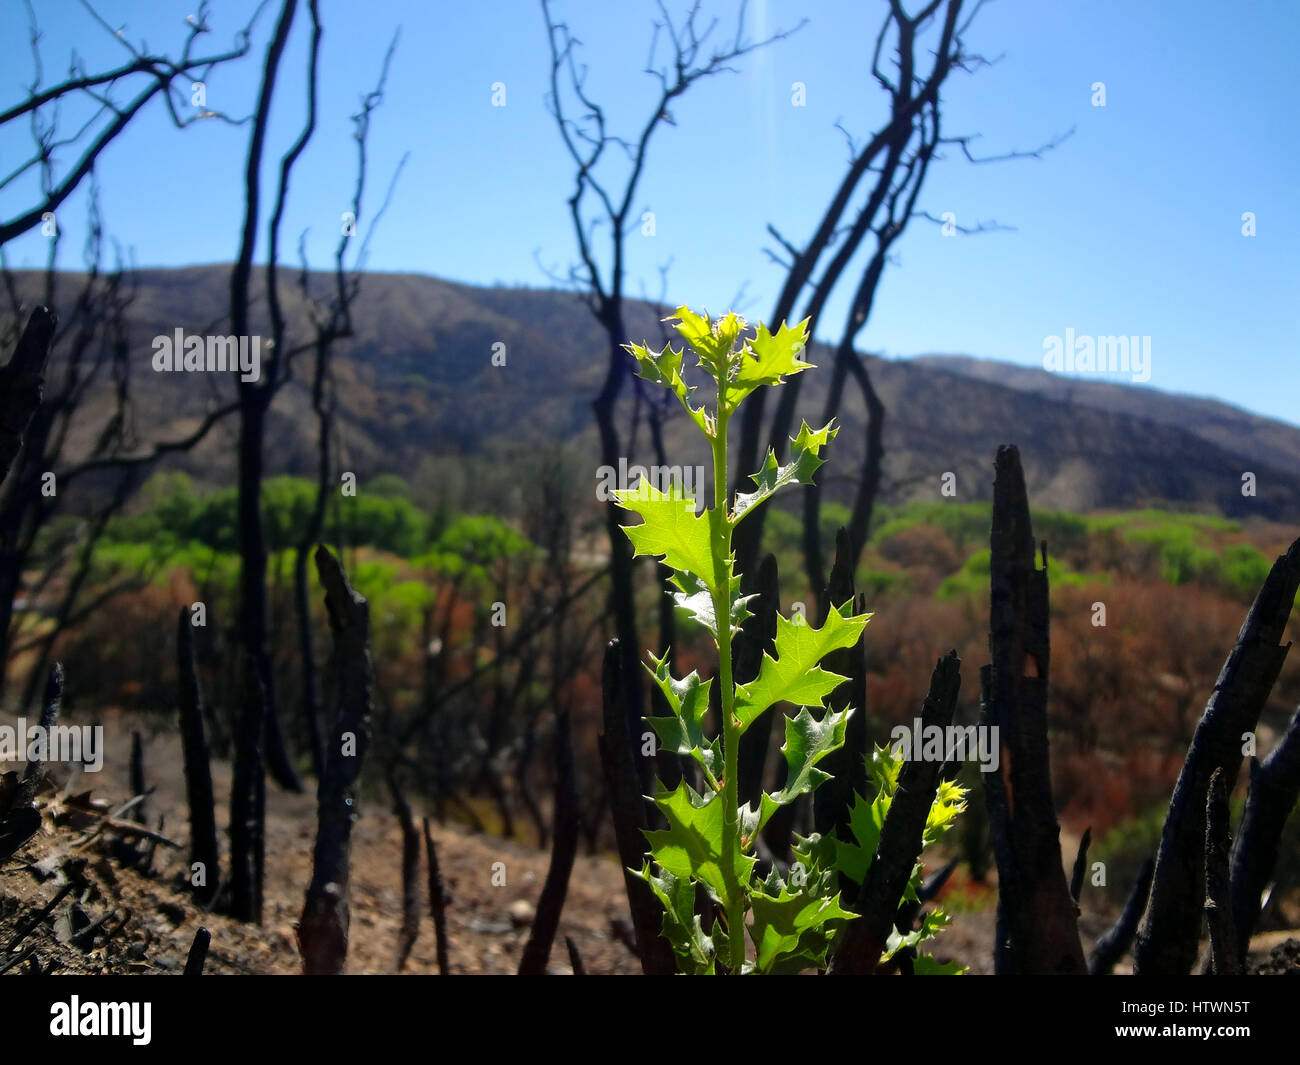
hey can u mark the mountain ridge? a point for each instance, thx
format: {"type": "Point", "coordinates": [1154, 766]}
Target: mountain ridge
{"type": "Point", "coordinates": [417, 383]}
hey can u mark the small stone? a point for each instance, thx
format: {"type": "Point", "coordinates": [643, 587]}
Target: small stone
{"type": "Point", "coordinates": [521, 913]}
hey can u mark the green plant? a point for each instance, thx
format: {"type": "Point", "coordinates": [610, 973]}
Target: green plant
{"type": "Point", "coordinates": [790, 920]}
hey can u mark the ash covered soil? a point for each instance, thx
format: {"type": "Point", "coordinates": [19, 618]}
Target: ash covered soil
{"type": "Point", "coordinates": [111, 917]}
{"type": "Point", "coordinates": [487, 925]}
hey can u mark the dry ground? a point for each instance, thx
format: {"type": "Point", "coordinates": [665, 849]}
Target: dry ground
{"type": "Point", "coordinates": [150, 920]}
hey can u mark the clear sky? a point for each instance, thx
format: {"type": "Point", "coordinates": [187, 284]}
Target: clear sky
{"type": "Point", "coordinates": [1132, 226]}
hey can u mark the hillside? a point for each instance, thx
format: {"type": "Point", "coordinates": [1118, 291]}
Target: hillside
{"type": "Point", "coordinates": [417, 384]}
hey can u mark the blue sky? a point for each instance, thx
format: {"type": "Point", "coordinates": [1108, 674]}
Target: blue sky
{"type": "Point", "coordinates": [1132, 226]}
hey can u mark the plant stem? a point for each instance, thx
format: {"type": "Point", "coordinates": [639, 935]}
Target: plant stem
{"type": "Point", "coordinates": [735, 903]}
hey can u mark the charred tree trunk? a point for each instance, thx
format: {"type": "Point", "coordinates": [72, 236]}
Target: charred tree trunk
{"type": "Point", "coordinates": [248, 803]}
{"type": "Point", "coordinates": [1037, 926]}
{"type": "Point", "coordinates": [204, 855]}
{"type": "Point", "coordinates": [622, 591]}
{"type": "Point", "coordinates": [564, 849]}
{"type": "Point", "coordinates": [248, 800]}
{"type": "Point", "coordinates": [410, 930]}
{"type": "Point", "coordinates": [323, 928]}
{"type": "Point", "coordinates": [437, 900]}
{"type": "Point", "coordinates": [254, 401]}
{"type": "Point", "coordinates": [252, 583]}
{"type": "Point", "coordinates": [1169, 940]}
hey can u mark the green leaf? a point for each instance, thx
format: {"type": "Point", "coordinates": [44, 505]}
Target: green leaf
{"type": "Point", "coordinates": [696, 597]}
{"type": "Point", "coordinates": [691, 846]}
{"type": "Point", "coordinates": [866, 819]}
{"type": "Point", "coordinates": [928, 965]}
{"type": "Point", "coordinates": [683, 733]}
{"type": "Point", "coordinates": [665, 368]}
{"type": "Point", "coordinates": [752, 821]}
{"type": "Point", "coordinates": [793, 675]}
{"type": "Point", "coordinates": [807, 742]}
{"type": "Point", "coordinates": [767, 359]}
{"type": "Point", "coordinates": [805, 451]}
{"type": "Point", "coordinates": [714, 342]}
{"type": "Point", "coordinates": [670, 528]}
{"type": "Point", "coordinates": [949, 801]}
{"type": "Point", "coordinates": [931, 924]}
{"type": "Point", "coordinates": [681, 927]}
{"type": "Point", "coordinates": [783, 924]}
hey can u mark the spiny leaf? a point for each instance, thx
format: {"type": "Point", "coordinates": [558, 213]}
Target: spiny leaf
{"type": "Point", "coordinates": [782, 924]}
{"type": "Point", "coordinates": [793, 675]}
{"type": "Point", "coordinates": [753, 821]}
{"type": "Point", "coordinates": [665, 368]}
{"type": "Point", "coordinates": [949, 801]}
{"type": "Point", "coordinates": [928, 965]}
{"type": "Point", "coordinates": [807, 742]}
{"type": "Point", "coordinates": [931, 924]}
{"type": "Point", "coordinates": [683, 733]}
{"type": "Point", "coordinates": [691, 846]}
{"type": "Point", "coordinates": [866, 819]}
{"type": "Point", "coordinates": [697, 597]}
{"type": "Point", "coordinates": [681, 925]}
{"type": "Point", "coordinates": [767, 359]}
{"type": "Point", "coordinates": [713, 342]}
{"type": "Point", "coordinates": [805, 452]}
{"type": "Point", "coordinates": [671, 529]}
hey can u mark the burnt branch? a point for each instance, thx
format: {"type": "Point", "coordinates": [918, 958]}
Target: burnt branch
{"type": "Point", "coordinates": [1274, 789]}
{"type": "Point", "coordinates": [1080, 865]}
{"type": "Point", "coordinates": [1169, 938]}
{"type": "Point", "coordinates": [1112, 946]}
{"type": "Point", "coordinates": [50, 707]}
{"type": "Point", "coordinates": [198, 953]}
{"type": "Point", "coordinates": [1218, 912]}
{"type": "Point", "coordinates": [108, 119]}
{"type": "Point", "coordinates": [22, 383]}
